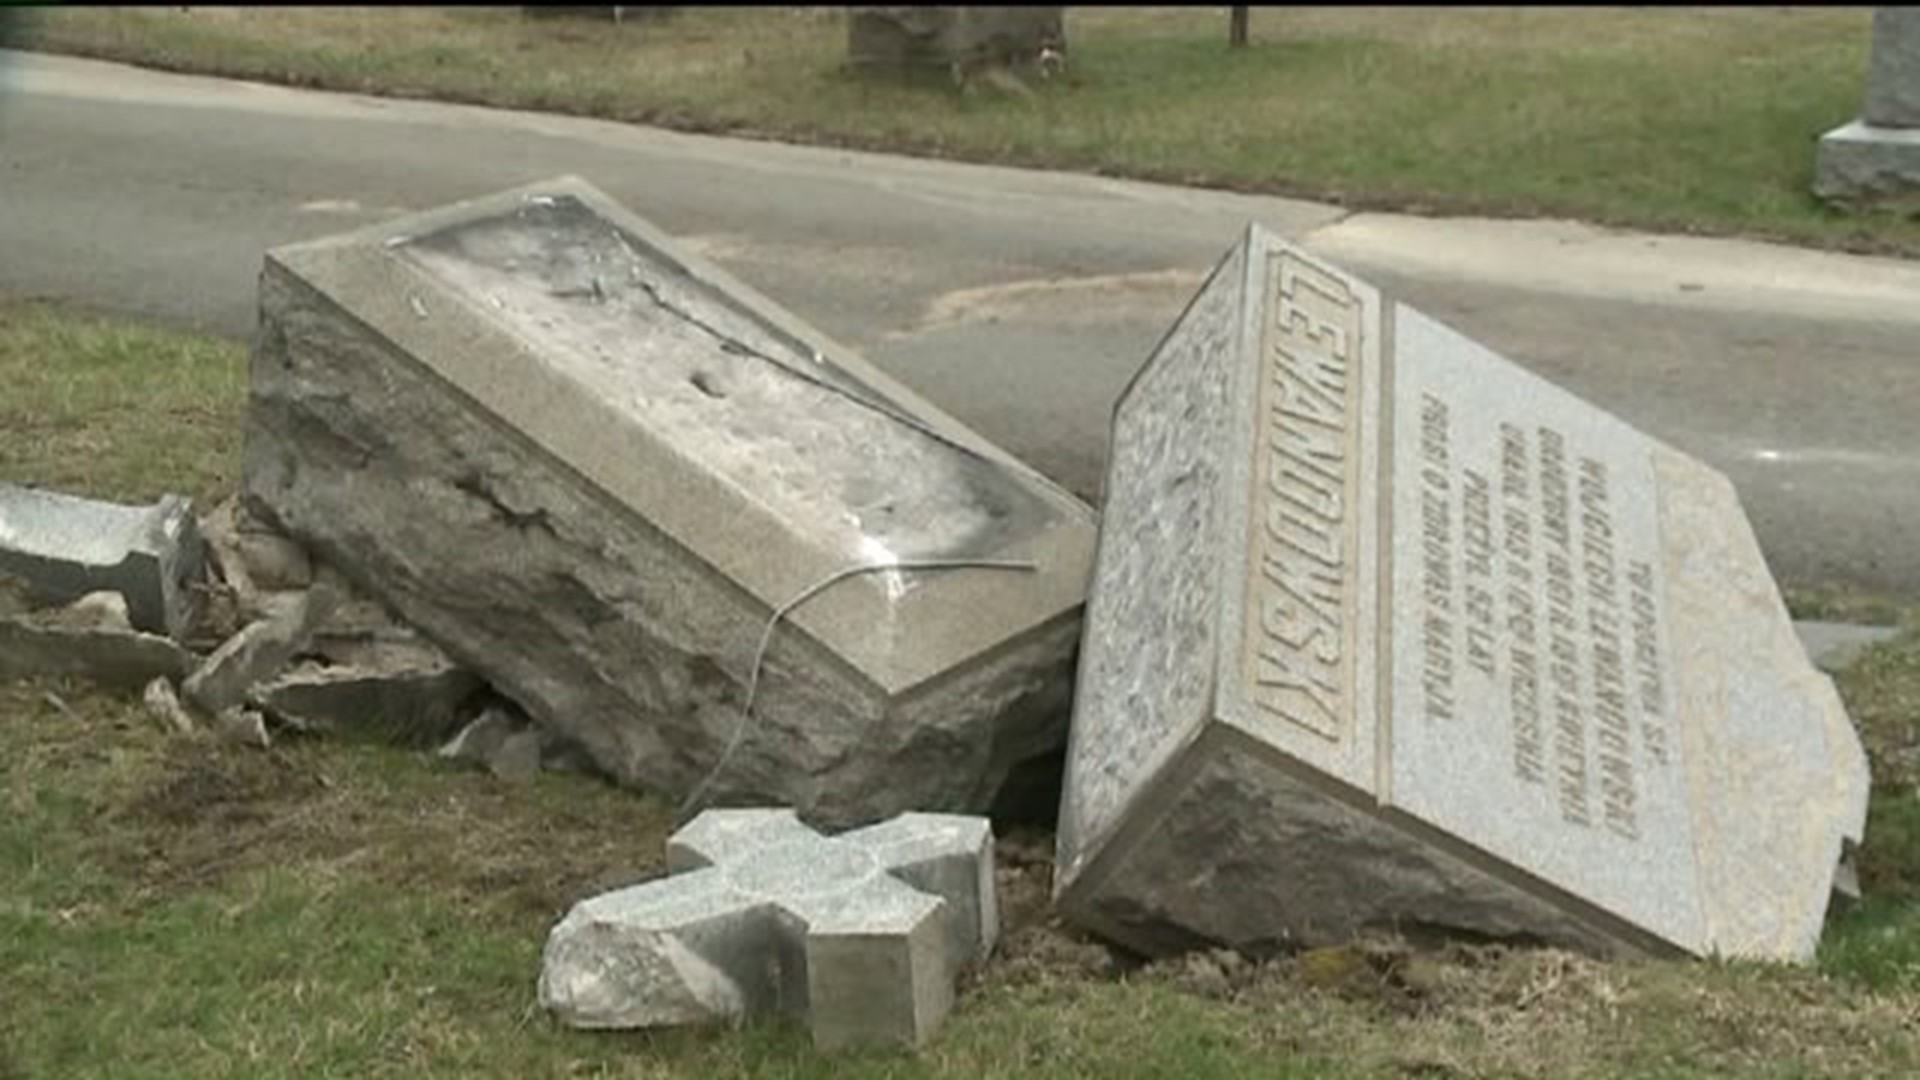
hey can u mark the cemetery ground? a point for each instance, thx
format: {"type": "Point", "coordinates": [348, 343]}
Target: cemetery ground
{"type": "Point", "coordinates": [1670, 119]}
{"type": "Point", "coordinates": [171, 905]}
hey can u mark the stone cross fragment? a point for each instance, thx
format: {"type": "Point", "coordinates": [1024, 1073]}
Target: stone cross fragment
{"type": "Point", "coordinates": [860, 934]}
{"type": "Point", "coordinates": [65, 547]}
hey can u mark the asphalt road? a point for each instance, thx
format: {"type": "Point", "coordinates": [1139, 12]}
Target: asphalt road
{"type": "Point", "coordinates": [1019, 301]}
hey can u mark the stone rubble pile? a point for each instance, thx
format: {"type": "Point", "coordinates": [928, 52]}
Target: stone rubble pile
{"type": "Point", "coordinates": [263, 639]}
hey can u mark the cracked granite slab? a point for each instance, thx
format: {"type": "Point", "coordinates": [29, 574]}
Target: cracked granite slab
{"type": "Point", "coordinates": [1386, 631]}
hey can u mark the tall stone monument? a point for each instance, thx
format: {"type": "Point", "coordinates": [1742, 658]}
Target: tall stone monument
{"type": "Point", "coordinates": [727, 557]}
{"type": "Point", "coordinates": [1876, 159]}
{"type": "Point", "coordinates": [1387, 631]}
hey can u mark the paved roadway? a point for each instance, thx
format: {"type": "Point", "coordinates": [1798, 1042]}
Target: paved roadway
{"type": "Point", "coordinates": [1020, 301]}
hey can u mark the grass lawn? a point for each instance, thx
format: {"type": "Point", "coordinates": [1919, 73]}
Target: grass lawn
{"type": "Point", "coordinates": [1674, 119]}
{"type": "Point", "coordinates": [174, 907]}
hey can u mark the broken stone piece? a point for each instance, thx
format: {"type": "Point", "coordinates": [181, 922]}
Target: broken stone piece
{"type": "Point", "coordinates": [65, 547]}
{"type": "Point", "coordinates": [251, 555]}
{"type": "Point", "coordinates": [481, 739]}
{"type": "Point", "coordinates": [91, 639]}
{"type": "Point", "coordinates": [94, 611]}
{"type": "Point", "coordinates": [1387, 631]}
{"type": "Point", "coordinates": [362, 671]}
{"type": "Point", "coordinates": [860, 935]}
{"type": "Point", "coordinates": [16, 596]}
{"type": "Point", "coordinates": [593, 467]}
{"type": "Point", "coordinates": [390, 681]}
{"type": "Point", "coordinates": [220, 529]}
{"type": "Point", "coordinates": [510, 746]}
{"type": "Point", "coordinates": [518, 758]}
{"type": "Point", "coordinates": [244, 726]}
{"type": "Point", "coordinates": [410, 695]}
{"type": "Point", "coordinates": [257, 652]}
{"type": "Point", "coordinates": [163, 704]}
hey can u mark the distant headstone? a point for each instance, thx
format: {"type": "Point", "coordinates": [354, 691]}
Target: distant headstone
{"type": "Point", "coordinates": [859, 935]}
{"type": "Point", "coordinates": [1893, 69]}
{"type": "Point", "coordinates": [610, 12]}
{"type": "Point", "coordinates": [594, 469]}
{"type": "Point", "coordinates": [65, 547]}
{"type": "Point", "coordinates": [1876, 159]}
{"type": "Point", "coordinates": [905, 36]}
{"type": "Point", "coordinates": [1387, 631]}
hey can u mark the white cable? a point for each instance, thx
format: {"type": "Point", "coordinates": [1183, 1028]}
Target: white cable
{"type": "Point", "coordinates": [808, 593]}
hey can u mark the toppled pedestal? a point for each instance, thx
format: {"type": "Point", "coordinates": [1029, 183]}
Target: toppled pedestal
{"type": "Point", "coordinates": [859, 935]}
{"type": "Point", "coordinates": [593, 468]}
{"type": "Point", "coordinates": [65, 547]}
{"type": "Point", "coordinates": [1386, 631]}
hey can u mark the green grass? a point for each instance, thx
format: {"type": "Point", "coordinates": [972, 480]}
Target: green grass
{"type": "Point", "coordinates": [1832, 603]}
{"type": "Point", "coordinates": [175, 907]}
{"type": "Point", "coordinates": [1677, 119]}
{"type": "Point", "coordinates": [121, 411]}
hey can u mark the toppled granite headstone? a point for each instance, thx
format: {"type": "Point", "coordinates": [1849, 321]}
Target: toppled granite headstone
{"type": "Point", "coordinates": [66, 547]}
{"type": "Point", "coordinates": [1875, 160]}
{"type": "Point", "coordinates": [1387, 631]}
{"type": "Point", "coordinates": [92, 638]}
{"type": "Point", "coordinates": [593, 467]}
{"type": "Point", "coordinates": [860, 935]}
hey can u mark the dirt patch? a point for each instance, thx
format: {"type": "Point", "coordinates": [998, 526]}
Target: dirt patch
{"type": "Point", "coordinates": [213, 810]}
{"type": "Point", "coordinates": [207, 811]}
{"type": "Point", "coordinates": [210, 785]}
{"type": "Point", "coordinates": [1035, 943]}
